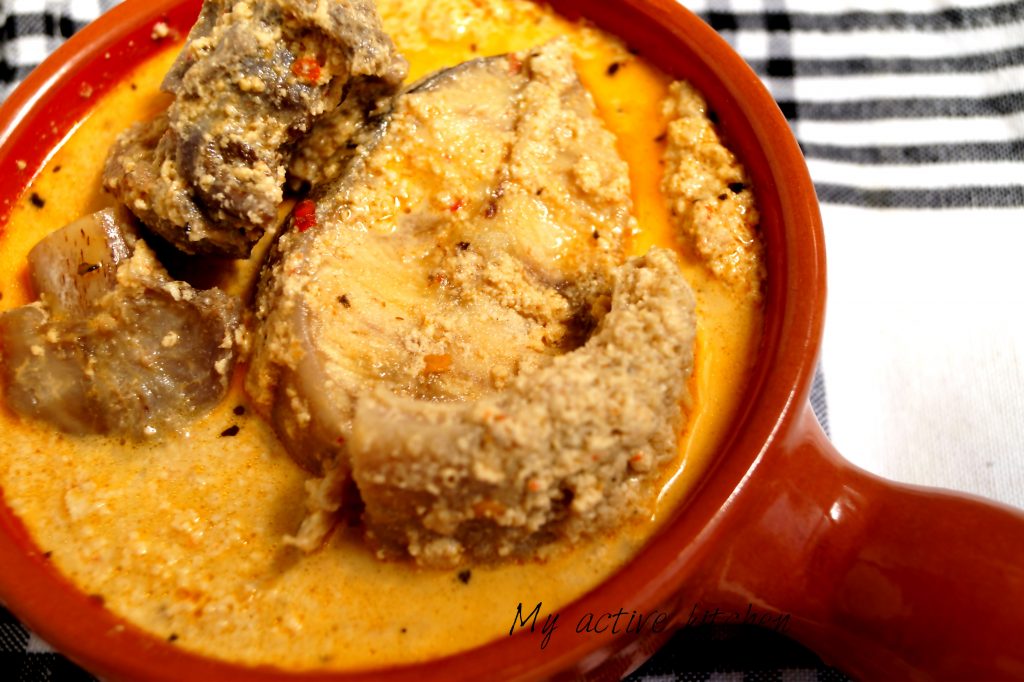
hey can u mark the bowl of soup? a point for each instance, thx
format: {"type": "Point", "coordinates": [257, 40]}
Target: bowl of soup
{"type": "Point", "coordinates": [203, 552]}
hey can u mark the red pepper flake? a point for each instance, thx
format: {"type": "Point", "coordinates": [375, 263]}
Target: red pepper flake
{"type": "Point", "coordinates": [515, 64]}
{"type": "Point", "coordinates": [457, 206]}
{"type": "Point", "coordinates": [437, 364]}
{"type": "Point", "coordinates": [304, 216]}
{"type": "Point", "coordinates": [306, 69]}
{"type": "Point", "coordinates": [534, 486]}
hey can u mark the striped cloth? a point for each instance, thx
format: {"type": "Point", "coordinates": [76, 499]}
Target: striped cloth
{"type": "Point", "coordinates": [911, 115]}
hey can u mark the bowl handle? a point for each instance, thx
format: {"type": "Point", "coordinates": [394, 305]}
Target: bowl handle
{"type": "Point", "coordinates": [882, 580]}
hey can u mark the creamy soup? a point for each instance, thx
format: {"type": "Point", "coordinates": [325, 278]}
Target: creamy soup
{"type": "Point", "coordinates": [184, 537]}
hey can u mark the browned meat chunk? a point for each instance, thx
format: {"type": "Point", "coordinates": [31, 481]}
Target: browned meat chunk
{"type": "Point", "coordinates": [250, 83]}
{"type": "Point", "coordinates": [334, 141]}
{"type": "Point", "coordinates": [453, 278]}
{"type": "Point", "coordinates": [114, 345]}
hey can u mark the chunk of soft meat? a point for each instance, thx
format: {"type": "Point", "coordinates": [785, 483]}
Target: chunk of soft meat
{"type": "Point", "coordinates": [561, 452]}
{"type": "Point", "coordinates": [114, 345]}
{"type": "Point", "coordinates": [443, 243]}
{"type": "Point", "coordinates": [476, 241]}
{"type": "Point", "coordinates": [251, 81]}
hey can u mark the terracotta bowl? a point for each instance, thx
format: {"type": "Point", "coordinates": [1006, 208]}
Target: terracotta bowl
{"type": "Point", "coordinates": [881, 580]}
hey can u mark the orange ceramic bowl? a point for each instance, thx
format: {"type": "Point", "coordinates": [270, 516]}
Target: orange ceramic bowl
{"type": "Point", "coordinates": [881, 580]}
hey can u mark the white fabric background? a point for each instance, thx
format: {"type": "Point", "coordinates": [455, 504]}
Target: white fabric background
{"type": "Point", "coordinates": [924, 346]}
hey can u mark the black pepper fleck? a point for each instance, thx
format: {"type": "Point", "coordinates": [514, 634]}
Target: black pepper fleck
{"type": "Point", "coordinates": [56, 169]}
{"type": "Point", "coordinates": [463, 246]}
{"type": "Point", "coordinates": [662, 137]}
{"type": "Point", "coordinates": [596, 235]}
{"type": "Point", "coordinates": [614, 67]}
{"type": "Point", "coordinates": [403, 631]}
{"type": "Point", "coordinates": [239, 410]}
{"type": "Point", "coordinates": [491, 210]}
{"type": "Point", "coordinates": [47, 555]}
{"type": "Point", "coordinates": [134, 86]}
{"type": "Point", "coordinates": [230, 431]}
{"type": "Point", "coordinates": [464, 576]}
{"type": "Point", "coordinates": [343, 299]}
{"type": "Point", "coordinates": [37, 200]}
{"type": "Point", "coordinates": [173, 637]}
{"type": "Point", "coordinates": [737, 187]}
{"type": "Point", "coordinates": [722, 197]}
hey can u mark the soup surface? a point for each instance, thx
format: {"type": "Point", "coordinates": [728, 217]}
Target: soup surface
{"type": "Point", "coordinates": [184, 537]}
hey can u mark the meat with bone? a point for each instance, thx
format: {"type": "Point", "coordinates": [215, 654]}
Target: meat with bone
{"type": "Point", "coordinates": [249, 84]}
{"type": "Point", "coordinates": [114, 345]}
{"type": "Point", "coordinates": [453, 278]}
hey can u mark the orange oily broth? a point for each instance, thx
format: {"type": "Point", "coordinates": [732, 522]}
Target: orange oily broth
{"type": "Point", "coordinates": [184, 537]}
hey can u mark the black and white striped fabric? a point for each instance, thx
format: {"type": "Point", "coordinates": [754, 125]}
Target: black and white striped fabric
{"type": "Point", "coordinates": [32, 29]}
{"type": "Point", "coordinates": [911, 115]}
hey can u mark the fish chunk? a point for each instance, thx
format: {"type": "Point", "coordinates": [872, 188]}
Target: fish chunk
{"type": "Point", "coordinates": [115, 346]}
{"type": "Point", "coordinates": [250, 83]}
{"type": "Point", "coordinates": [561, 452]}
{"type": "Point", "coordinates": [473, 243]}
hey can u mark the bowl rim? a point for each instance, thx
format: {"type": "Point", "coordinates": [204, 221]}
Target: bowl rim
{"type": "Point", "coordinates": [81, 628]}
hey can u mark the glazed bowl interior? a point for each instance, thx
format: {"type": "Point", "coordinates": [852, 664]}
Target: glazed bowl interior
{"type": "Point", "coordinates": [40, 114]}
